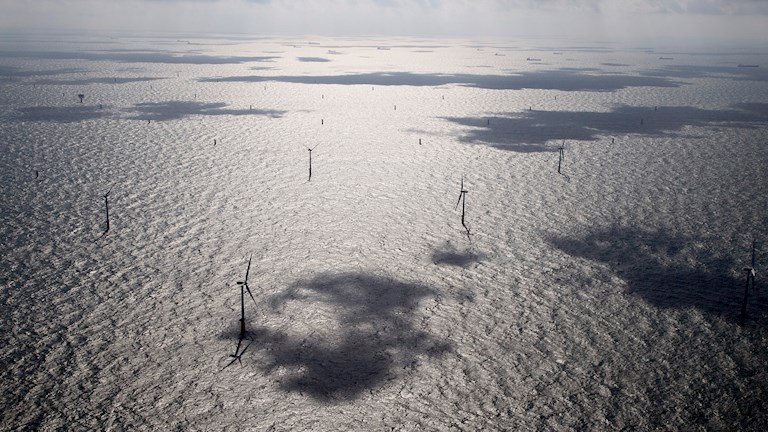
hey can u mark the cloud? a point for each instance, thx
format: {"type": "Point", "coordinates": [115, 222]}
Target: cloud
{"type": "Point", "coordinates": [508, 18]}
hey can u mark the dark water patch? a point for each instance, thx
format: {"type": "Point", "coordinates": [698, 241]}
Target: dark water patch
{"type": "Point", "coordinates": [736, 52]}
{"type": "Point", "coordinates": [88, 81]}
{"type": "Point", "coordinates": [571, 79]}
{"type": "Point", "coordinates": [757, 109]}
{"type": "Point", "coordinates": [733, 72]}
{"type": "Point", "coordinates": [580, 70]}
{"type": "Point", "coordinates": [493, 47]}
{"type": "Point", "coordinates": [312, 59]}
{"type": "Point", "coordinates": [136, 57]}
{"type": "Point", "coordinates": [378, 339]}
{"type": "Point", "coordinates": [586, 49]}
{"type": "Point", "coordinates": [151, 50]}
{"type": "Point", "coordinates": [12, 71]}
{"type": "Point", "coordinates": [666, 269]}
{"type": "Point", "coordinates": [387, 47]}
{"type": "Point", "coordinates": [427, 46]}
{"type": "Point", "coordinates": [131, 69]}
{"type": "Point", "coordinates": [66, 114]}
{"type": "Point", "coordinates": [530, 131]}
{"type": "Point", "coordinates": [174, 110]}
{"type": "Point", "coordinates": [448, 254]}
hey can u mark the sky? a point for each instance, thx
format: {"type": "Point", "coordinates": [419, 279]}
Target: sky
{"type": "Point", "coordinates": [606, 20]}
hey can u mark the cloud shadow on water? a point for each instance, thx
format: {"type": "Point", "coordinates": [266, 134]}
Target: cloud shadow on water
{"type": "Point", "coordinates": [531, 131]}
{"type": "Point", "coordinates": [136, 57]}
{"type": "Point", "coordinates": [88, 81]}
{"type": "Point", "coordinates": [12, 71]}
{"type": "Point", "coordinates": [449, 255]}
{"type": "Point", "coordinates": [370, 339]}
{"type": "Point", "coordinates": [66, 114]}
{"type": "Point", "coordinates": [569, 79]}
{"type": "Point", "coordinates": [732, 72]}
{"type": "Point", "coordinates": [173, 110]}
{"type": "Point", "coordinates": [313, 59]}
{"type": "Point", "coordinates": [664, 269]}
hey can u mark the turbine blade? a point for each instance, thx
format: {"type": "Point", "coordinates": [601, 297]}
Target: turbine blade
{"type": "Point", "coordinates": [239, 341]}
{"type": "Point", "coordinates": [461, 194]}
{"type": "Point", "coordinates": [249, 293]}
{"type": "Point", "coordinates": [249, 269]}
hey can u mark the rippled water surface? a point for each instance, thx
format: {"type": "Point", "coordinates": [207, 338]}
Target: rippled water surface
{"type": "Point", "coordinates": [602, 297]}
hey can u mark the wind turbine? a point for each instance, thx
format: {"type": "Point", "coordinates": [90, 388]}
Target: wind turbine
{"type": "Point", "coordinates": [462, 200]}
{"type": "Point", "coordinates": [244, 287]}
{"type": "Point", "coordinates": [310, 161]}
{"type": "Point", "coordinates": [106, 207]}
{"type": "Point", "coordinates": [561, 149]}
{"type": "Point", "coordinates": [750, 272]}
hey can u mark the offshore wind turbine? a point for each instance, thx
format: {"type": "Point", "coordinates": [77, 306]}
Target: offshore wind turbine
{"type": "Point", "coordinates": [310, 161]}
{"type": "Point", "coordinates": [462, 200]}
{"type": "Point", "coordinates": [106, 207]}
{"type": "Point", "coordinates": [244, 287]}
{"type": "Point", "coordinates": [750, 272]}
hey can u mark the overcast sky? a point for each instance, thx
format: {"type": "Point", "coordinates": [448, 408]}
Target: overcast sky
{"type": "Point", "coordinates": [611, 20]}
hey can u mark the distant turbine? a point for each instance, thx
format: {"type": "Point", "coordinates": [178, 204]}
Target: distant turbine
{"type": "Point", "coordinates": [244, 287]}
{"type": "Point", "coordinates": [310, 161]}
{"type": "Point", "coordinates": [106, 207]}
{"type": "Point", "coordinates": [462, 200]}
{"type": "Point", "coordinates": [750, 272]}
